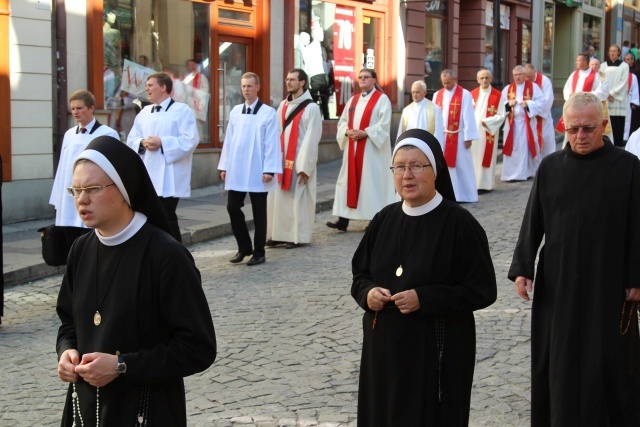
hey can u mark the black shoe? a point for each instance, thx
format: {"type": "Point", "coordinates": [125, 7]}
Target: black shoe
{"type": "Point", "coordinates": [337, 225]}
{"type": "Point", "coordinates": [273, 243]}
{"type": "Point", "coordinates": [255, 260]}
{"type": "Point", "coordinates": [291, 245]}
{"type": "Point", "coordinates": [239, 257]}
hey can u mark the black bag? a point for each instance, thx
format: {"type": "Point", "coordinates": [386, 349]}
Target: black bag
{"type": "Point", "coordinates": [54, 245]}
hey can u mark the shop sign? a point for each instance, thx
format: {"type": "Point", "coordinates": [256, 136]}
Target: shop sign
{"type": "Point", "coordinates": [628, 12]}
{"type": "Point", "coordinates": [344, 55]}
{"type": "Point", "coordinates": [505, 15]}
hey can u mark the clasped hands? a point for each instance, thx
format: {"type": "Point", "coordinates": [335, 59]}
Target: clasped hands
{"type": "Point", "coordinates": [97, 369]}
{"type": "Point", "coordinates": [152, 143]}
{"type": "Point", "coordinates": [356, 134]}
{"type": "Point", "coordinates": [513, 102]}
{"type": "Point", "coordinates": [406, 301]}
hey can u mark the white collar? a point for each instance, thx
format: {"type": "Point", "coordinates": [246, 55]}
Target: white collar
{"type": "Point", "coordinates": [88, 127]}
{"type": "Point", "coordinates": [587, 71]}
{"type": "Point", "coordinates": [424, 209]}
{"type": "Point", "coordinates": [139, 219]}
{"type": "Point", "coordinates": [252, 106]}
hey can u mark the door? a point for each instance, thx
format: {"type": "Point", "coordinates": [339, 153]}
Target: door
{"type": "Point", "coordinates": [234, 59]}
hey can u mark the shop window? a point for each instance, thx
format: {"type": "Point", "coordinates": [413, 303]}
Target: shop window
{"type": "Point", "coordinates": [505, 21]}
{"type": "Point", "coordinates": [547, 39]}
{"type": "Point", "coordinates": [591, 28]}
{"type": "Point", "coordinates": [145, 37]}
{"type": "Point", "coordinates": [525, 43]}
{"type": "Point", "coordinates": [434, 44]}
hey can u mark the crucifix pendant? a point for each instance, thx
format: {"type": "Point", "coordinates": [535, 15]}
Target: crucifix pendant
{"type": "Point", "coordinates": [399, 271]}
{"type": "Point", "coordinates": [97, 318]}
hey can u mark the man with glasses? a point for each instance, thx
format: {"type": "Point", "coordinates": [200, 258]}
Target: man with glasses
{"type": "Point", "coordinates": [364, 185]}
{"type": "Point", "coordinates": [524, 102]}
{"type": "Point", "coordinates": [490, 113]}
{"type": "Point", "coordinates": [585, 348]}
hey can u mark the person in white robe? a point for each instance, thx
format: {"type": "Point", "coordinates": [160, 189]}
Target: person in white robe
{"type": "Point", "coordinates": [165, 135]}
{"type": "Point", "coordinates": [617, 74]}
{"type": "Point", "coordinates": [250, 159]}
{"type": "Point", "coordinates": [548, 132]}
{"type": "Point", "coordinates": [524, 101]}
{"type": "Point", "coordinates": [633, 144]}
{"type": "Point", "coordinates": [463, 174]}
{"type": "Point", "coordinates": [602, 92]}
{"type": "Point", "coordinates": [634, 101]}
{"type": "Point", "coordinates": [82, 105]}
{"type": "Point", "coordinates": [421, 113]}
{"type": "Point", "coordinates": [376, 188]}
{"type": "Point", "coordinates": [291, 207]}
{"type": "Point", "coordinates": [489, 120]}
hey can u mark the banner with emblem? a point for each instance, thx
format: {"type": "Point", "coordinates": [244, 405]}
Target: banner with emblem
{"type": "Point", "coordinates": [134, 78]}
{"type": "Point", "coordinates": [344, 55]}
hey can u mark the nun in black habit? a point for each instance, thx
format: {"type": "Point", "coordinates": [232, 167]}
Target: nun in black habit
{"type": "Point", "coordinates": [422, 268]}
{"type": "Point", "coordinates": [135, 320]}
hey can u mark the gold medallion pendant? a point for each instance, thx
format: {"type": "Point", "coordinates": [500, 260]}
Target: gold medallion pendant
{"type": "Point", "coordinates": [399, 271]}
{"type": "Point", "coordinates": [97, 318]}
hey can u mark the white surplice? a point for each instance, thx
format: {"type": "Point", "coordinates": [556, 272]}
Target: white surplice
{"type": "Point", "coordinates": [463, 175]}
{"type": "Point", "coordinates": [291, 213]}
{"type": "Point", "coordinates": [618, 79]}
{"type": "Point", "coordinates": [415, 116]}
{"type": "Point", "coordinates": [376, 185]}
{"type": "Point", "coordinates": [73, 144]}
{"type": "Point", "coordinates": [170, 167]}
{"type": "Point", "coordinates": [548, 131]}
{"type": "Point", "coordinates": [485, 176]}
{"type": "Point", "coordinates": [633, 99]}
{"type": "Point", "coordinates": [251, 148]}
{"type": "Point", "coordinates": [520, 165]}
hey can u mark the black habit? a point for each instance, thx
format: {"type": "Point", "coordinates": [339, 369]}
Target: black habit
{"type": "Point", "coordinates": [154, 311]}
{"type": "Point", "coordinates": [403, 379]}
{"type": "Point", "coordinates": [584, 371]}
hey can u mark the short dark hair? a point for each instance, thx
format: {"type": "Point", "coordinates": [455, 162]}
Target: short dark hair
{"type": "Point", "coordinates": [585, 56]}
{"type": "Point", "coordinates": [301, 76]}
{"type": "Point", "coordinates": [370, 71]}
{"type": "Point", "coordinates": [163, 79]}
{"type": "Point", "coordinates": [84, 96]}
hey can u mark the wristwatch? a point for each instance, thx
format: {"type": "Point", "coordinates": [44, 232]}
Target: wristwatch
{"type": "Point", "coordinates": [121, 367]}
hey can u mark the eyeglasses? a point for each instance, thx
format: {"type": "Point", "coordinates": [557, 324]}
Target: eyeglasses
{"type": "Point", "coordinates": [586, 129]}
{"type": "Point", "coordinates": [415, 169]}
{"type": "Point", "coordinates": [89, 191]}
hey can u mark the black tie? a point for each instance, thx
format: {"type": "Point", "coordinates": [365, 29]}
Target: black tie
{"type": "Point", "coordinates": [83, 130]}
{"type": "Point", "coordinates": [157, 108]}
{"type": "Point", "coordinates": [249, 110]}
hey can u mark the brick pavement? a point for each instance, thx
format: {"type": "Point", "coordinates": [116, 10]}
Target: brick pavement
{"type": "Point", "coordinates": [289, 335]}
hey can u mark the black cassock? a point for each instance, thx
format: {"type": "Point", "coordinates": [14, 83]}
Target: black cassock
{"type": "Point", "coordinates": [154, 312]}
{"type": "Point", "coordinates": [403, 380]}
{"type": "Point", "coordinates": [587, 207]}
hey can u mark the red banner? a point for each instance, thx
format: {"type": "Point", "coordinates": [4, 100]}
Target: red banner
{"type": "Point", "coordinates": [344, 55]}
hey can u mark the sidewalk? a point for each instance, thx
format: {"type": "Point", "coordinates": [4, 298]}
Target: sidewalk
{"type": "Point", "coordinates": [202, 217]}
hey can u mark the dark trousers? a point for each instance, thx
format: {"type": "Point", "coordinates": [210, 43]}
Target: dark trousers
{"type": "Point", "coordinates": [170, 204]}
{"type": "Point", "coordinates": [235, 202]}
{"type": "Point", "coordinates": [617, 129]}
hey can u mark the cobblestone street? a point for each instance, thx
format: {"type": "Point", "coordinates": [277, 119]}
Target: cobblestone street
{"type": "Point", "coordinates": [289, 335]}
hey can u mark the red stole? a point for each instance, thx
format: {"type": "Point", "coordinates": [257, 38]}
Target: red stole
{"type": "Point", "coordinates": [507, 150]}
{"type": "Point", "coordinates": [356, 148]}
{"type": "Point", "coordinates": [587, 86]}
{"type": "Point", "coordinates": [538, 81]}
{"type": "Point", "coordinates": [492, 108]}
{"type": "Point", "coordinates": [287, 170]}
{"type": "Point", "coordinates": [453, 124]}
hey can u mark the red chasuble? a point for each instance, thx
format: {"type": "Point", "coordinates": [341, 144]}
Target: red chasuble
{"type": "Point", "coordinates": [492, 108]}
{"type": "Point", "coordinates": [507, 150]}
{"type": "Point", "coordinates": [453, 124]}
{"type": "Point", "coordinates": [356, 148]}
{"type": "Point", "coordinates": [586, 87]}
{"type": "Point", "coordinates": [538, 81]}
{"type": "Point", "coordinates": [287, 170]}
